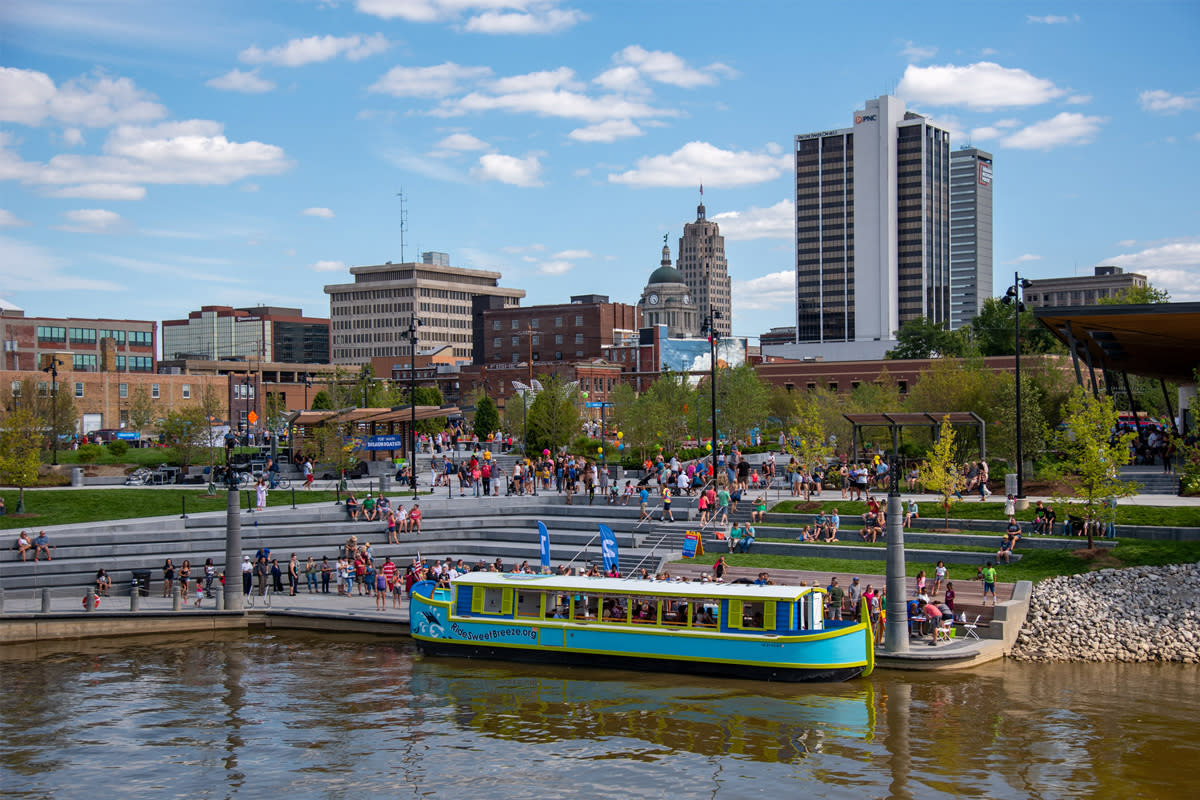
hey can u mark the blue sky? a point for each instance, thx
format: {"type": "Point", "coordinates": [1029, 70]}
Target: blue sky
{"type": "Point", "coordinates": [159, 155]}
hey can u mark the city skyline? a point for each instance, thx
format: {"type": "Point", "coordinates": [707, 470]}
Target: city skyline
{"type": "Point", "coordinates": [155, 157]}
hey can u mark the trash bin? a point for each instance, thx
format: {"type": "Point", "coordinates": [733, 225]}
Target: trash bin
{"type": "Point", "coordinates": [140, 582]}
{"type": "Point", "coordinates": [1010, 484]}
{"type": "Point", "coordinates": [77, 476]}
{"type": "Point", "coordinates": [385, 483]}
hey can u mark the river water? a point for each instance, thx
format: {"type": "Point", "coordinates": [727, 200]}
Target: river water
{"type": "Point", "coordinates": [302, 716]}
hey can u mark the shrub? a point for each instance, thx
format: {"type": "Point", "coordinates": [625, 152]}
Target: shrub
{"type": "Point", "coordinates": [118, 448]}
{"type": "Point", "coordinates": [89, 453]}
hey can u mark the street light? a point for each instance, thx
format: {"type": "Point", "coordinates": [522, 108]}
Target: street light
{"type": "Point", "coordinates": [412, 404]}
{"type": "Point", "coordinates": [710, 328]}
{"type": "Point", "coordinates": [53, 370]}
{"type": "Point", "coordinates": [307, 385]}
{"type": "Point", "coordinates": [1013, 297]}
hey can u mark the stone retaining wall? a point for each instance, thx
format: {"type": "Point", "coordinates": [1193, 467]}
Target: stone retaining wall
{"type": "Point", "coordinates": [1135, 614]}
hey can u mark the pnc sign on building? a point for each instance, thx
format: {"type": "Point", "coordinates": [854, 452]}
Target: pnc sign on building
{"type": "Point", "coordinates": [860, 118]}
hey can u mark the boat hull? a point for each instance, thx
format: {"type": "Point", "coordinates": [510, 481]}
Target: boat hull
{"type": "Point", "coordinates": [451, 648]}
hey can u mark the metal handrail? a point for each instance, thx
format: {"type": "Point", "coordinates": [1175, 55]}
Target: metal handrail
{"type": "Point", "coordinates": [583, 549]}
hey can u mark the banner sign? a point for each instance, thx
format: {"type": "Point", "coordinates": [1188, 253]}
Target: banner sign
{"type": "Point", "coordinates": [608, 548]}
{"type": "Point", "coordinates": [384, 442]}
{"type": "Point", "coordinates": [544, 543]}
{"type": "Point", "coordinates": [129, 436]}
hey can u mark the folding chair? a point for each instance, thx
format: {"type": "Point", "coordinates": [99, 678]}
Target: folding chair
{"type": "Point", "coordinates": [971, 627]}
{"type": "Point", "coordinates": [943, 632]}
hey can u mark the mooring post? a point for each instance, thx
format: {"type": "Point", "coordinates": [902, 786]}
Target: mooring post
{"type": "Point", "coordinates": [135, 599]}
{"type": "Point", "coordinates": [89, 600]}
{"type": "Point", "coordinates": [219, 593]}
{"type": "Point", "coordinates": [176, 598]}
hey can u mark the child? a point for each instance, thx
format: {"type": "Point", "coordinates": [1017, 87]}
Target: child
{"type": "Point", "coordinates": [628, 493]}
{"type": "Point", "coordinates": [939, 576]}
{"type": "Point", "coordinates": [199, 592]}
{"type": "Point", "coordinates": [950, 595]}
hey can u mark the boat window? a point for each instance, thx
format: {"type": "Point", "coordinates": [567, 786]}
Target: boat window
{"type": "Point", "coordinates": [706, 613]}
{"type": "Point", "coordinates": [529, 604]}
{"type": "Point", "coordinates": [615, 609]}
{"type": "Point", "coordinates": [675, 612]}
{"type": "Point", "coordinates": [489, 600]}
{"type": "Point", "coordinates": [558, 606]}
{"type": "Point", "coordinates": [814, 611]}
{"type": "Point", "coordinates": [586, 607]}
{"type": "Point", "coordinates": [753, 615]}
{"type": "Point", "coordinates": [645, 610]}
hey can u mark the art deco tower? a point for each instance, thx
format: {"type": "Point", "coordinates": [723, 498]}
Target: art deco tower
{"type": "Point", "coordinates": [705, 270]}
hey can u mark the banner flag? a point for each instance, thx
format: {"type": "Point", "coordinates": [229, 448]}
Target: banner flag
{"type": "Point", "coordinates": [544, 543]}
{"type": "Point", "coordinates": [608, 548]}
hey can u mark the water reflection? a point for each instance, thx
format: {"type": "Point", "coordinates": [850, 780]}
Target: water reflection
{"type": "Point", "coordinates": [763, 722]}
{"type": "Point", "coordinates": [331, 717]}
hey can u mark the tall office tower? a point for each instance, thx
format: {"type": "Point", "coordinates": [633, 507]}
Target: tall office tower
{"type": "Point", "coordinates": [970, 233]}
{"type": "Point", "coordinates": [369, 317]}
{"type": "Point", "coordinates": [705, 270]}
{"type": "Point", "coordinates": [872, 230]}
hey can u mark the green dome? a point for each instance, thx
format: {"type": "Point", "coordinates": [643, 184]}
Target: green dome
{"type": "Point", "coordinates": [666, 275]}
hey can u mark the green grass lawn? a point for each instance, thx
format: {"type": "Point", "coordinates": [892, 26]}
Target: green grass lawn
{"type": "Point", "coordinates": [1167, 516]}
{"type": "Point", "coordinates": [50, 507]}
{"type": "Point", "coordinates": [1033, 566]}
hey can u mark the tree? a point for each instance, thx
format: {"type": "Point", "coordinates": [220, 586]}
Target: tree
{"type": "Point", "coordinates": [275, 409]}
{"type": "Point", "coordinates": [141, 408]}
{"type": "Point", "coordinates": [940, 473]}
{"type": "Point", "coordinates": [994, 333]}
{"type": "Point", "coordinates": [664, 410]}
{"type": "Point", "coordinates": [322, 401]}
{"type": "Point", "coordinates": [1093, 454]}
{"type": "Point", "coordinates": [211, 406]}
{"type": "Point", "coordinates": [741, 401]}
{"type": "Point", "coordinates": [807, 441]}
{"type": "Point", "coordinates": [186, 431]}
{"type": "Point", "coordinates": [20, 457]}
{"type": "Point", "coordinates": [429, 396]}
{"type": "Point", "coordinates": [924, 338]}
{"type": "Point", "coordinates": [487, 418]}
{"type": "Point", "coordinates": [333, 446]}
{"type": "Point", "coordinates": [553, 415]}
{"type": "Point", "coordinates": [1137, 295]}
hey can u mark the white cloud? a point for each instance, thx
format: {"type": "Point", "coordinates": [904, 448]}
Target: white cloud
{"type": "Point", "coordinates": [462, 142]}
{"type": "Point", "coordinates": [573, 255]}
{"type": "Point", "coordinates": [775, 222]}
{"type": "Point", "coordinates": [101, 191]}
{"type": "Point", "coordinates": [483, 16]}
{"type": "Point", "coordinates": [555, 267]}
{"type": "Point", "coordinates": [1063, 129]}
{"type": "Point", "coordinates": [1127, 243]}
{"type": "Point", "coordinates": [548, 20]}
{"type": "Point", "coordinates": [11, 220]}
{"type": "Point", "coordinates": [701, 162]}
{"type": "Point", "coordinates": [25, 267]}
{"type": "Point", "coordinates": [327, 266]}
{"type": "Point", "coordinates": [1173, 265]}
{"type": "Point", "coordinates": [1025, 258]}
{"type": "Point", "coordinates": [771, 292]}
{"type": "Point", "coordinates": [551, 103]}
{"type": "Point", "coordinates": [29, 97]}
{"type": "Point", "coordinates": [237, 81]}
{"type": "Point", "coordinates": [1078, 100]}
{"type": "Point", "coordinates": [983, 86]}
{"type": "Point", "coordinates": [543, 81]}
{"type": "Point", "coordinates": [316, 49]}
{"type": "Point", "coordinates": [318, 211]}
{"type": "Point", "coordinates": [509, 169]}
{"type": "Point", "coordinates": [90, 220]}
{"type": "Point", "coordinates": [665, 67]}
{"type": "Point", "coordinates": [915, 52]}
{"type": "Point", "coordinates": [1051, 19]}
{"type": "Point", "coordinates": [186, 152]}
{"type": "Point", "coordinates": [515, 249]}
{"type": "Point", "coordinates": [72, 137]}
{"type": "Point", "coordinates": [1163, 102]}
{"type": "Point", "coordinates": [607, 131]}
{"type": "Point", "coordinates": [436, 81]}
{"type": "Point", "coordinates": [621, 79]}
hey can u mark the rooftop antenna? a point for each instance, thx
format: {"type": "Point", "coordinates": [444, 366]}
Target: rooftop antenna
{"type": "Point", "coordinates": [403, 223]}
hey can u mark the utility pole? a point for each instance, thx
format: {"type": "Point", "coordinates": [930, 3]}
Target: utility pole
{"type": "Point", "coordinates": [403, 222]}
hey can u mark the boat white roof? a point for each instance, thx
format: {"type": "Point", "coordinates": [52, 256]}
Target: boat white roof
{"type": "Point", "coordinates": [633, 586]}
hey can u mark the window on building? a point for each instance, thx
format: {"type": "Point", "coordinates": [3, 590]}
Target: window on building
{"type": "Point", "coordinates": [558, 322]}
{"type": "Point", "coordinates": [495, 324]}
{"type": "Point", "coordinates": [902, 386]}
{"type": "Point", "coordinates": [185, 391]}
{"type": "Point", "coordinates": [578, 320]}
{"type": "Point", "coordinates": [16, 388]}
{"type": "Point", "coordinates": [579, 338]}
{"type": "Point", "coordinates": [154, 390]}
{"type": "Point", "coordinates": [833, 387]}
{"type": "Point", "coordinates": [83, 335]}
{"type": "Point", "coordinates": [537, 339]}
{"type": "Point", "coordinates": [557, 355]}
{"type": "Point", "coordinates": [533, 323]}
{"type": "Point", "coordinates": [140, 364]}
{"type": "Point", "coordinates": [123, 390]}
{"type": "Point", "coordinates": [578, 353]}
{"type": "Point", "coordinates": [116, 336]}
{"type": "Point", "coordinates": [497, 343]}
{"type": "Point", "coordinates": [514, 324]}
{"type": "Point", "coordinates": [49, 333]}
{"type": "Point", "coordinates": [141, 338]}
{"type": "Point", "coordinates": [558, 338]}
{"type": "Point", "coordinates": [78, 389]}
{"type": "Point", "coordinates": [516, 341]}
{"type": "Point", "coordinates": [43, 389]}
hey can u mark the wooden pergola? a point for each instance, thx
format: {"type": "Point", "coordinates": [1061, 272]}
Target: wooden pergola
{"type": "Point", "coordinates": [897, 421]}
{"type": "Point", "coordinates": [370, 422]}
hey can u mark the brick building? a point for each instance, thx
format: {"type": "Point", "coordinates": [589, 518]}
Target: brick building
{"type": "Point", "coordinates": [565, 332]}
{"type": "Point", "coordinates": [85, 345]}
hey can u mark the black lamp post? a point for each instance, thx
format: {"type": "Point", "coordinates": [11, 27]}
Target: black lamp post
{"type": "Point", "coordinates": [710, 327]}
{"type": "Point", "coordinates": [1013, 297]}
{"type": "Point", "coordinates": [412, 404]}
{"type": "Point", "coordinates": [307, 385]}
{"type": "Point", "coordinates": [53, 370]}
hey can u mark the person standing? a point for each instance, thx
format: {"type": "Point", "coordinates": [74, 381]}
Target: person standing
{"type": "Point", "coordinates": [989, 583]}
{"type": "Point", "coordinates": [168, 572]}
{"type": "Point", "coordinates": [310, 575]}
{"type": "Point", "coordinates": [293, 571]}
{"type": "Point", "coordinates": [260, 495]}
{"type": "Point", "coordinates": [308, 474]}
{"type": "Point", "coordinates": [247, 574]}
{"type": "Point", "coordinates": [210, 572]}
{"type": "Point", "coordinates": [326, 573]}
